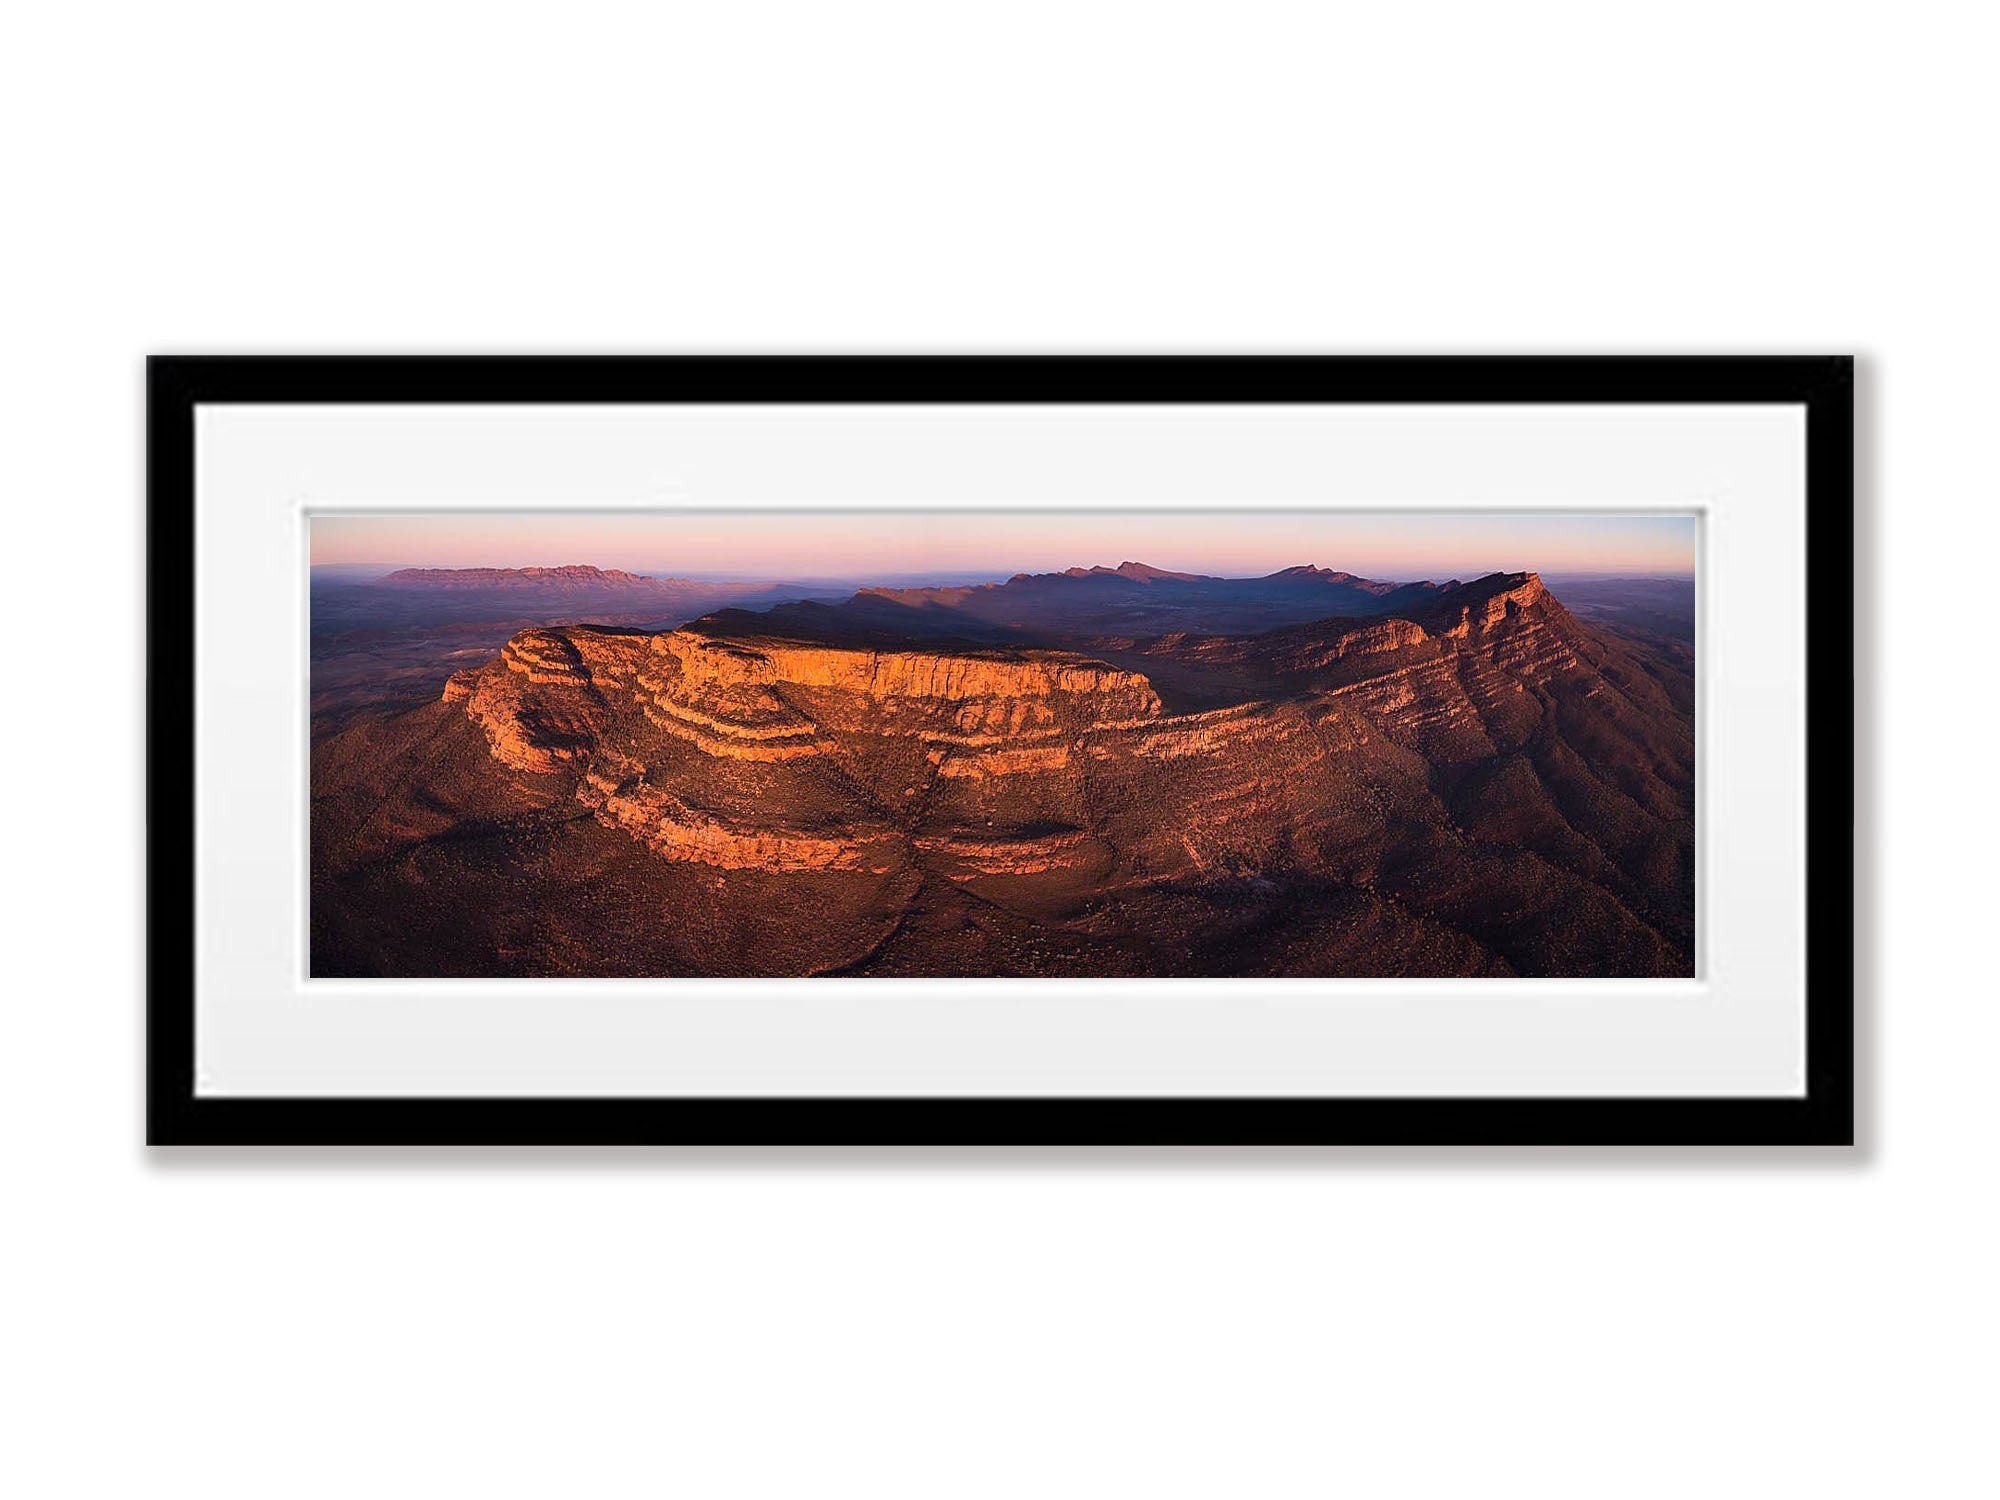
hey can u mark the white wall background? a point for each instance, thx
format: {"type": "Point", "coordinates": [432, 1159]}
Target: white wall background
{"type": "Point", "coordinates": [1522, 177]}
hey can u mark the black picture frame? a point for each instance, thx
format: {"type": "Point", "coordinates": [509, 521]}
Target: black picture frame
{"type": "Point", "coordinates": [1823, 1115]}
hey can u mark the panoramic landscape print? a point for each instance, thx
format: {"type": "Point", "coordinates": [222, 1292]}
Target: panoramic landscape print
{"type": "Point", "coordinates": [1023, 743]}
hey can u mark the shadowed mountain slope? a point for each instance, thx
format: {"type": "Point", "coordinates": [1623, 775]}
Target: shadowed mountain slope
{"type": "Point", "coordinates": [1132, 600]}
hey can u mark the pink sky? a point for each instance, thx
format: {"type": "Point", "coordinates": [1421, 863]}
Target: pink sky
{"type": "Point", "coordinates": [827, 543]}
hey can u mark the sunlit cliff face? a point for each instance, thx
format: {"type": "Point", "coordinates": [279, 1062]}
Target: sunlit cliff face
{"type": "Point", "coordinates": [618, 712]}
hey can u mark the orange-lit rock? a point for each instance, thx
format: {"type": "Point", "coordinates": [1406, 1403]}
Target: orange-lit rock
{"type": "Point", "coordinates": [906, 676]}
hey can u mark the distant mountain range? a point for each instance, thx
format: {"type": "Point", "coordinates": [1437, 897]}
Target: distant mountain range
{"type": "Point", "coordinates": [579, 583]}
{"type": "Point", "coordinates": [1130, 601]}
{"type": "Point", "coordinates": [570, 579]}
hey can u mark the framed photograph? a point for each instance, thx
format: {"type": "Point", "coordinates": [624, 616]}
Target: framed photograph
{"type": "Point", "coordinates": [1001, 750]}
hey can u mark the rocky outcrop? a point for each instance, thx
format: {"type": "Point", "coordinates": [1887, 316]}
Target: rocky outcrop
{"type": "Point", "coordinates": [1488, 602]}
{"type": "Point", "coordinates": [542, 705]}
{"type": "Point", "coordinates": [1515, 623]}
{"type": "Point", "coordinates": [1021, 722]}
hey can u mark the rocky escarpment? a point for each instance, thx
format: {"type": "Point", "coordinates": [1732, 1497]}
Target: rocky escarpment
{"type": "Point", "coordinates": [1488, 602]}
{"type": "Point", "coordinates": [1477, 785]}
{"type": "Point", "coordinates": [692, 744]}
{"type": "Point", "coordinates": [1463, 678]}
{"type": "Point", "coordinates": [541, 731]}
{"type": "Point", "coordinates": [763, 699]}
{"type": "Point", "coordinates": [1525, 630]}
{"type": "Point", "coordinates": [736, 752]}
{"type": "Point", "coordinates": [721, 749]}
